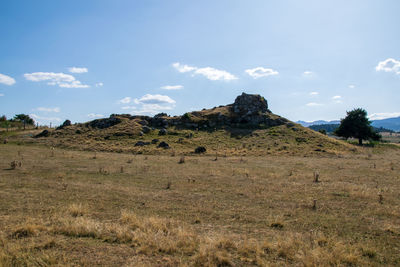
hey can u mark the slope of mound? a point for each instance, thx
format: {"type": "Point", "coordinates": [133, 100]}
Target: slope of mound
{"type": "Point", "coordinates": [246, 127]}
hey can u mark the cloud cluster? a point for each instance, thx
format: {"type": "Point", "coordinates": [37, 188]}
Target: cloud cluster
{"type": "Point", "coordinates": [172, 87]}
{"type": "Point", "coordinates": [313, 104]}
{"type": "Point", "coordinates": [99, 84]}
{"type": "Point", "coordinates": [208, 72]}
{"type": "Point", "coordinates": [389, 65]}
{"type": "Point", "coordinates": [381, 116]}
{"type": "Point", "coordinates": [7, 80]}
{"type": "Point", "coordinates": [43, 109]}
{"type": "Point", "coordinates": [261, 72]}
{"type": "Point", "coordinates": [148, 104]}
{"type": "Point", "coordinates": [60, 79]}
{"type": "Point", "coordinates": [77, 70]}
{"type": "Point", "coordinates": [314, 93]}
{"type": "Point", "coordinates": [337, 99]}
{"type": "Point", "coordinates": [44, 119]}
{"type": "Point", "coordinates": [94, 115]}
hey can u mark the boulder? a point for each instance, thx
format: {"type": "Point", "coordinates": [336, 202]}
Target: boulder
{"type": "Point", "coordinates": [155, 141]}
{"type": "Point", "coordinates": [200, 149]}
{"type": "Point", "coordinates": [163, 145]}
{"type": "Point", "coordinates": [142, 143]}
{"type": "Point", "coordinates": [146, 129]}
{"type": "Point", "coordinates": [163, 132]}
{"type": "Point", "coordinates": [44, 133]}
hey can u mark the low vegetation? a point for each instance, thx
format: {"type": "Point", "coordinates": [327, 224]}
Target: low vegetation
{"type": "Point", "coordinates": [339, 209]}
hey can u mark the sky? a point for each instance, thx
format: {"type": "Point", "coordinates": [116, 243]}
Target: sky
{"type": "Point", "coordinates": [311, 59]}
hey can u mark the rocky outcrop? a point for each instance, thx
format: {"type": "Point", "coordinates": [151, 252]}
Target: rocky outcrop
{"type": "Point", "coordinates": [105, 123]}
{"type": "Point", "coordinates": [247, 104]}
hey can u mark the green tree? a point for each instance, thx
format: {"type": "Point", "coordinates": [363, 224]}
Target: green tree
{"type": "Point", "coordinates": [357, 125]}
{"type": "Point", "coordinates": [25, 119]}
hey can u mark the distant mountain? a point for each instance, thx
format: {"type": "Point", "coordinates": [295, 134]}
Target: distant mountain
{"type": "Point", "coordinates": [320, 122]}
{"type": "Point", "coordinates": [391, 123]}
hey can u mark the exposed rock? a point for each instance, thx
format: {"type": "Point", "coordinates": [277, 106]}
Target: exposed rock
{"type": "Point", "coordinates": [200, 149]}
{"type": "Point", "coordinates": [162, 114]}
{"type": "Point", "coordinates": [44, 133]}
{"type": "Point", "coordinates": [146, 129]}
{"type": "Point", "coordinates": [163, 132]}
{"type": "Point", "coordinates": [247, 104]}
{"type": "Point", "coordinates": [105, 123]}
{"type": "Point", "coordinates": [5, 141]}
{"type": "Point", "coordinates": [141, 143]}
{"type": "Point", "coordinates": [155, 141]}
{"type": "Point", "coordinates": [143, 122]}
{"type": "Point", "coordinates": [163, 145]}
{"type": "Point", "coordinates": [65, 124]}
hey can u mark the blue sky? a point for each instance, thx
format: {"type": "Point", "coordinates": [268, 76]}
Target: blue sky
{"type": "Point", "coordinates": [310, 59]}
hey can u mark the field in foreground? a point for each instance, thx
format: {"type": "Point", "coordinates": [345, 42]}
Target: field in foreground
{"type": "Point", "coordinates": [63, 207]}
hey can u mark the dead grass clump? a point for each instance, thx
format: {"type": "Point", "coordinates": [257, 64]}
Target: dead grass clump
{"type": "Point", "coordinates": [26, 230]}
{"type": "Point", "coordinates": [76, 210]}
{"type": "Point", "coordinates": [79, 227]}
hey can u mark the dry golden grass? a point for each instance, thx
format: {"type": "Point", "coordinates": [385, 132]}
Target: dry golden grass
{"type": "Point", "coordinates": [58, 209]}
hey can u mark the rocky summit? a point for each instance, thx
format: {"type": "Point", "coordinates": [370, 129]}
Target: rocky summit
{"type": "Point", "coordinates": [247, 104]}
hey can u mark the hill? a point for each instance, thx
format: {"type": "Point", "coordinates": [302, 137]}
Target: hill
{"type": "Point", "coordinates": [246, 127]}
{"type": "Point", "coordinates": [391, 124]}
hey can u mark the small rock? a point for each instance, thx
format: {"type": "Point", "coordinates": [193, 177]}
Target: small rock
{"type": "Point", "coordinates": [45, 133]}
{"type": "Point", "coordinates": [200, 149]}
{"type": "Point", "coordinates": [146, 129]}
{"type": "Point", "coordinates": [143, 122]}
{"type": "Point", "coordinates": [141, 143]}
{"type": "Point", "coordinates": [163, 132]}
{"type": "Point", "coordinates": [155, 141]}
{"type": "Point", "coordinates": [163, 145]}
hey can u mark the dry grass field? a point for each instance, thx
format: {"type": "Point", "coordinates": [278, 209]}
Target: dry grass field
{"type": "Point", "coordinates": [77, 208]}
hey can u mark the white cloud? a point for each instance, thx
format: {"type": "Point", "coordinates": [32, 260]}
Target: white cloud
{"type": "Point", "coordinates": [314, 93]}
{"type": "Point", "coordinates": [155, 99]}
{"type": "Point", "coordinates": [389, 65]}
{"type": "Point", "coordinates": [214, 74]}
{"type": "Point", "coordinates": [183, 68]}
{"type": "Point", "coordinates": [261, 72]}
{"type": "Point", "coordinates": [352, 86]}
{"type": "Point", "coordinates": [381, 116]}
{"type": "Point", "coordinates": [94, 115]}
{"type": "Point", "coordinates": [208, 72]}
{"type": "Point", "coordinates": [43, 109]}
{"type": "Point", "coordinates": [60, 79]}
{"type": "Point", "coordinates": [312, 104]}
{"type": "Point", "coordinates": [125, 100]}
{"type": "Point", "coordinates": [308, 74]}
{"type": "Point", "coordinates": [99, 84]}
{"type": "Point", "coordinates": [150, 104]}
{"type": "Point", "coordinates": [129, 107]}
{"type": "Point", "coordinates": [337, 99]}
{"type": "Point", "coordinates": [77, 70]}
{"type": "Point", "coordinates": [47, 119]}
{"type": "Point", "coordinates": [172, 87]}
{"type": "Point", "coordinates": [1, 94]}
{"type": "Point", "coordinates": [7, 80]}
